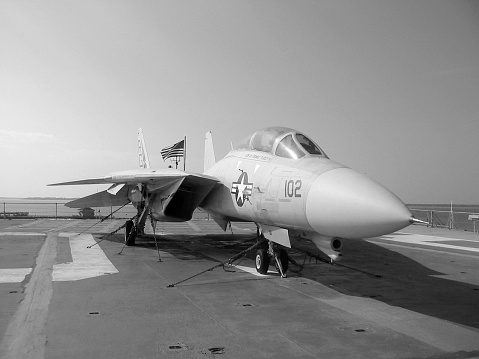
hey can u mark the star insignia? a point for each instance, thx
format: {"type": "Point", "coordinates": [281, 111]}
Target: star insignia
{"type": "Point", "coordinates": [242, 189]}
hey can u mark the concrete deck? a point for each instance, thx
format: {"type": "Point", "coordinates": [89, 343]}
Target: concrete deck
{"type": "Point", "coordinates": [413, 294]}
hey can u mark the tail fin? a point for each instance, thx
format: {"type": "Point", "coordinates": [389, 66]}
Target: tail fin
{"type": "Point", "coordinates": [143, 155]}
{"type": "Point", "coordinates": [210, 158]}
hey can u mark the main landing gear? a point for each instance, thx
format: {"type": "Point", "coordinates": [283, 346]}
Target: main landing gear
{"type": "Point", "coordinates": [136, 226]}
{"type": "Point", "coordinates": [272, 252]}
{"type": "Point", "coordinates": [130, 233]}
{"type": "Point", "coordinates": [132, 230]}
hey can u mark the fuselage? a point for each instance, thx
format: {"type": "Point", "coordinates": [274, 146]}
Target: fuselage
{"type": "Point", "coordinates": [310, 194]}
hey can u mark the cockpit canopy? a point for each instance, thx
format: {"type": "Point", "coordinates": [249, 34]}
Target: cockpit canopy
{"type": "Point", "coordinates": [282, 142]}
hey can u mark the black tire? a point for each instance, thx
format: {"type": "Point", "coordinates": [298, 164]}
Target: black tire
{"type": "Point", "coordinates": [284, 259]}
{"type": "Point", "coordinates": [262, 261]}
{"type": "Point", "coordinates": [130, 233]}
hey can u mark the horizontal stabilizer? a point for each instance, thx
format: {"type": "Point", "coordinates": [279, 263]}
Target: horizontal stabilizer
{"type": "Point", "coordinates": [101, 199]}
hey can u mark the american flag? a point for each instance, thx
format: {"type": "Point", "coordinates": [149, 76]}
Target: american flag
{"type": "Point", "coordinates": [176, 150]}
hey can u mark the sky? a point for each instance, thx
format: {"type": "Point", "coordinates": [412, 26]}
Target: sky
{"type": "Point", "coordinates": [388, 88]}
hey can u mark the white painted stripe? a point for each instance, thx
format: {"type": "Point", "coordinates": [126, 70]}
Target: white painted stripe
{"type": "Point", "coordinates": [194, 226]}
{"type": "Point", "coordinates": [254, 272]}
{"type": "Point", "coordinates": [425, 237]}
{"type": "Point", "coordinates": [424, 240]}
{"type": "Point", "coordinates": [31, 224]}
{"type": "Point", "coordinates": [393, 244]}
{"type": "Point", "coordinates": [63, 226]}
{"type": "Point", "coordinates": [87, 262]}
{"type": "Point", "coordinates": [25, 336]}
{"type": "Point", "coordinates": [22, 234]}
{"type": "Point", "coordinates": [14, 275]}
{"type": "Point", "coordinates": [241, 229]}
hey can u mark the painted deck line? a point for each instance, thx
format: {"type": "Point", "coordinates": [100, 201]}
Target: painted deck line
{"type": "Point", "coordinates": [253, 271]}
{"type": "Point", "coordinates": [22, 234]}
{"type": "Point", "coordinates": [431, 241]}
{"type": "Point", "coordinates": [194, 226]}
{"type": "Point", "coordinates": [405, 245]}
{"type": "Point", "coordinates": [240, 229]}
{"type": "Point", "coordinates": [162, 233]}
{"type": "Point", "coordinates": [14, 275]}
{"type": "Point", "coordinates": [64, 226]}
{"type": "Point", "coordinates": [31, 224]}
{"type": "Point", "coordinates": [25, 336]}
{"type": "Point", "coordinates": [436, 238]}
{"type": "Point", "coordinates": [87, 262]}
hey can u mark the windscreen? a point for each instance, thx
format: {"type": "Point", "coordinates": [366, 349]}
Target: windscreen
{"type": "Point", "coordinates": [308, 145]}
{"type": "Point", "coordinates": [288, 148]}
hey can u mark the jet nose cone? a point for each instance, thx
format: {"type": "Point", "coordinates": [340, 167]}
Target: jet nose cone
{"type": "Point", "coordinates": [345, 203]}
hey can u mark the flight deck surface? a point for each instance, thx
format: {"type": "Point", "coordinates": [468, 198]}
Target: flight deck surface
{"type": "Point", "coordinates": [411, 294]}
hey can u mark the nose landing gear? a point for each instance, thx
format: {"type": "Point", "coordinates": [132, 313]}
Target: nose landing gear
{"type": "Point", "coordinates": [273, 252]}
{"type": "Point", "coordinates": [262, 261]}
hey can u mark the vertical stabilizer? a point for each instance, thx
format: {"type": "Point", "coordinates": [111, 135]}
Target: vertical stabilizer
{"type": "Point", "coordinates": [210, 158]}
{"type": "Point", "coordinates": [143, 155]}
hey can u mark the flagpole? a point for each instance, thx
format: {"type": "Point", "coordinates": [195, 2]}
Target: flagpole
{"type": "Point", "coordinates": [184, 158]}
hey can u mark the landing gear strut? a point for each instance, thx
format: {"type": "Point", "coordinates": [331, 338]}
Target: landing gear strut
{"type": "Point", "coordinates": [273, 252]}
{"type": "Point", "coordinates": [135, 226]}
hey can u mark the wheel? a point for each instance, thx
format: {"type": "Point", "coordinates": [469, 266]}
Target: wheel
{"type": "Point", "coordinates": [130, 233]}
{"type": "Point", "coordinates": [262, 261]}
{"type": "Point", "coordinates": [284, 259]}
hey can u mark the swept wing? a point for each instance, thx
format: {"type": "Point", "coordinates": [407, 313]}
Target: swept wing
{"type": "Point", "coordinates": [171, 193]}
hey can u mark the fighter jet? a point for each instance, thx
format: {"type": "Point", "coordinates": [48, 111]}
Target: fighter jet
{"type": "Point", "coordinates": [277, 178]}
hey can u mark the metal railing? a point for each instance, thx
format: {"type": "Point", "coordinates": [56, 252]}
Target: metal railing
{"type": "Point", "coordinates": [17, 209]}
{"type": "Point", "coordinates": [447, 219]}
{"type": "Point", "coordinates": [41, 209]}
{"type": "Point", "coordinates": [58, 210]}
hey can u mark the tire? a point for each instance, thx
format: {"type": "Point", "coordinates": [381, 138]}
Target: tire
{"type": "Point", "coordinates": [262, 261]}
{"type": "Point", "coordinates": [130, 233]}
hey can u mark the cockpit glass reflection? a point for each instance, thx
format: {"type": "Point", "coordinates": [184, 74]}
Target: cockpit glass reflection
{"type": "Point", "coordinates": [288, 148]}
{"type": "Point", "coordinates": [263, 140]}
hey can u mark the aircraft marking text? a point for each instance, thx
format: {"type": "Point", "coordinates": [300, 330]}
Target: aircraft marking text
{"type": "Point", "coordinates": [257, 157]}
{"type": "Point", "coordinates": [292, 188]}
